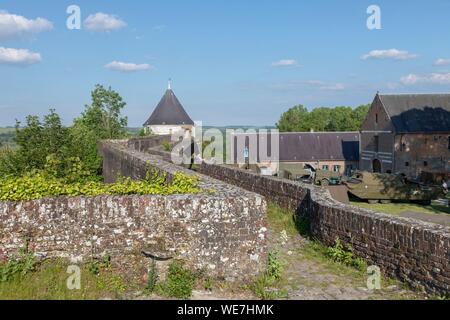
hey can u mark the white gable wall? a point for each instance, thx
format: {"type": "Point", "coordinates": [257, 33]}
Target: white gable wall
{"type": "Point", "coordinates": [169, 129]}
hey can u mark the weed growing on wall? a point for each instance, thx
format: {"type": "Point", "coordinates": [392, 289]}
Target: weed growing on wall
{"type": "Point", "coordinates": [344, 255]}
{"type": "Point", "coordinates": [264, 287]}
{"type": "Point", "coordinates": [179, 283]}
{"type": "Point", "coordinates": [20, 267]}
{"type": "Point", "coordinates": [166, 146]}
{"type": "Point", "coordinates": [274, 266]}
{"type": "Point", "coordinates": [152, 277]}
{"type": "Point", "coordinates": [96, 265]}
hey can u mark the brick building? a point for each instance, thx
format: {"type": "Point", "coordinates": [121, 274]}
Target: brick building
{"type": "Point", "coordinates": [331, 151]}
{"type": "Point", "coordinates": [407, 134]}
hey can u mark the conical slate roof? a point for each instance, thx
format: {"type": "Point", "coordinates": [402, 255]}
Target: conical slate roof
{"type": "Point", "coordinates": [169, 111]}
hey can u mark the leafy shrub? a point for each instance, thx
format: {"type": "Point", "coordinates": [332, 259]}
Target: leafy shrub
{"type": "Point", "coordinates": [37, 185]}
{"type": "Point", "coordinates": [262, 287]}
{"type": "Point", "coordinates": [17, 267]}
{"type": "Point", "coordinates": [208, 284]}
{"type": "Point", "coordinates": [95, 265]}
{"type": "Point", "coordinates": [274, 266]}
{"type": "Point", "coordinates": [166, 146]}
{"type": "Point", "coordinates": [344, 255]}
{"type": "Point", "coordinates": [10, 163]}
{"type": "Point", "coordinates": [179, 283]}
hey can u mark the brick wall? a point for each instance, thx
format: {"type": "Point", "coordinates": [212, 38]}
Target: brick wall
{"type": "Point", "coordinates": [410, 250]}
{"type": "Point", "coordinates": [422, 152]}
{"type": "Point", "coordinates": [224, 236]}
{"type": "Point", "coordinates": [222, 230]}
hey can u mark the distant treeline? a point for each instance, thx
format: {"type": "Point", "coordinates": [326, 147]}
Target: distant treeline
{"type": "Point", "coordinates": [7, 136]}
{"type": "Point", "coordinates": [299, 119]}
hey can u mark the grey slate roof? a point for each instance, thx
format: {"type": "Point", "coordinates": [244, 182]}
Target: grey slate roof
{"type": "Point", "coordinates": [169, 111]}
{"type": "Point", "coordinates": [319, 146]}
{"type": "Point", "coordinates": [418, 112]}
{"type": "Point", "coordinates": [310, 147]}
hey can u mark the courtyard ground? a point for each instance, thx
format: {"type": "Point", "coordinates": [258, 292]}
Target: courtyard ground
{"type": "Point", "coordinates": [438, 212]}
{"type": "Point", "coordinates": [310, 274]}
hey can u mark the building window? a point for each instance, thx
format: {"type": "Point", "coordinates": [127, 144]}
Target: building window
{"type": "Point", "coordinates": [448, 143]}
{"type": "Point", "coordinates": [425, 163]}
{"type": "Point", "coordinates": [376, 118]}
{"type": "Point", "coordinates": [337, 168]}
{"type": "Point", "coordinates": [389, 171]}
{"type": "Point", "coordinates": [406, 164]}
{"type": "Point", "coordinates": [325, 167]}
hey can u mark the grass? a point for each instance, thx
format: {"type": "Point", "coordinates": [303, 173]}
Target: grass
{"type": "Point", "coordinates": [398, 208]}
{"type": "Point", "coordinates": [27, 280]}
{"type": "Point", "coordinates": [49, 282]}
{"type": "Point", "coordinates": [268, 286]}
{"type": "Point", "coordinates": [279, 220]}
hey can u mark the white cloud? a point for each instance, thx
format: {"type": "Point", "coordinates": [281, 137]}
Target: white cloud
{"type": "Point", "coordinates": [103, 22]}
{"type": "Point", "coordinates": [12, 25]}
{"type": "Point", "coordinates": [315, 82]}
{"type": "Point", "coordinates": [334, 87]}
{"type": "Point", "coordinates": [442, 62]}
{"type": "Point", "coordinates": [285, 63]}
{"type": "Point", "coordinates": [309, 85]}
{"type": "Point", "coordinates": [389, 54]}
{"type": "Point", "coordinates": [326, 86]}
{"type": "Point", "coordinates": [18, 57]}
{"type": "Point", "coordinates": [433, 78]}
{"type": "Point", "coordinates": [127, 67]}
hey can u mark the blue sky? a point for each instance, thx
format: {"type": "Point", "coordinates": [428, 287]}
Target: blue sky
{"type": "Point", "coordinates": [232, 62]}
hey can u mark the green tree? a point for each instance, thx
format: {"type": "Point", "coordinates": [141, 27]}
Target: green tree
{"type": "Point", "coordinates": [100, 120]}
{"type": "Point", "coordinates": [319, 119]}
{"type": "Point", "coordinates": [360, 113]}
{"type": "Point", "coordinates": [341, 119]}
{"type": "Point", "coordinates": [298, 119]}
{"type": "Point", "coordinates": [37, 140]}
{"type": "Point", "coordinates": [293, 119]}
{"type": "Point", "coordinates": [103, 115]}
{"type": "Point", "coordinates": [67, 152]}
